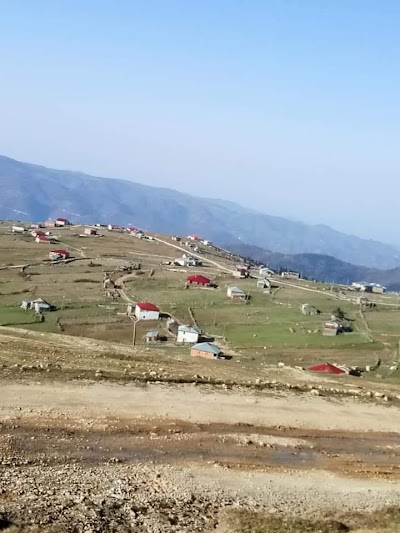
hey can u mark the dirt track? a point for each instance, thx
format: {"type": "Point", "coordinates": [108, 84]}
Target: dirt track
{"type": "Point", "coordinates": [197, 405]}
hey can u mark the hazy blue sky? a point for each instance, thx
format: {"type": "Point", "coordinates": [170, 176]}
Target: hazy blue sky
{"type": "Point", "coordinates": [288, 106]}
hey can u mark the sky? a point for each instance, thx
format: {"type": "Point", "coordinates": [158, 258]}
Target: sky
{"type": "Point", "coordinates": [290, 107]}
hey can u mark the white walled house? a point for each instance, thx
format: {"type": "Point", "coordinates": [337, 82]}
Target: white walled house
{"type": "Point", "coordinates": [147, 311]}
{"type": "Point", "coordinates": [188, 334]}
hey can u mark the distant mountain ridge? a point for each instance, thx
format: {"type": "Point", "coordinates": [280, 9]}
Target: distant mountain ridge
{"type": "Point", "coordinates": [321, 267]}
{"type": "Point", "coordinates": [41, 193]}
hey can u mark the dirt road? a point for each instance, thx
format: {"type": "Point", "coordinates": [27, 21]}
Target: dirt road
{"type": "Point", "coordinates": [198, 405]}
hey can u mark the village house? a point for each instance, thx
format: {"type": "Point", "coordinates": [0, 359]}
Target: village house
{"type": "Point", "coordinates": [198, 279]}
{"type": "Point", "coordinates": [113, 227]}
{"type": "Point", "coordinates": [18, 229]}
{"type": "Point", "coordinates": [90, 231]}
{"type": "Point", "coordinates": [265, 271]}
{"type": "Point", "coordinates": [38, 233]}
{"type": "Point", "coordinates": [60, 222]}
{"type": "Point", "coordinates": [186, 261]}
{"type": "Point", "coordinates": [206, 350]}
{"type": "Point", "coordinates": [188, 334]}
{"type": "Point", "coordinates": [39, 305]}
{"type": "Point", "coordinates": [147, 311]}
{"type": "Point", "coordinates": [50, 224]}
{"type": "Point", "coordinates": [175, 238]}
{"type": "Point", "coordinates": [55, 255]}
{"type": "Point", "coordinates": [152, 336]}
{"type": "Point", "coordinates": [235, 293]}
{"type": "Point", "coordinates": [264, 283]}
{"type": "Point", "coordinates": [378, 289]}
{"type": "Point", "coordinates": [290, 274]}
{"type": "Point", "coordinates": [44, 239]}
{"type": "Point", "coordinates": [206, 242]}
{"type": "Point", "coordinates": [194, 238]}
{"type": "Point", "coordinates": [328, 368]}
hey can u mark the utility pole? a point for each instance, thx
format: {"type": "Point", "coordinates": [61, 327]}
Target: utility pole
{"type": "Point", "coordinates": [134, 333]}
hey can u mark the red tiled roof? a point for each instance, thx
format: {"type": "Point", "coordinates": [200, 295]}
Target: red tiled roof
{"type": "Point", "coordinates": [60, 219]}
{"type": "Point", "coordinates": [328, 368]}
{"type": "Point", "coordinates": [61, 252]}
{"type": "Point", "coordinates": [146, 306]}
{"type": "Point", "coordinates": [199, 279]}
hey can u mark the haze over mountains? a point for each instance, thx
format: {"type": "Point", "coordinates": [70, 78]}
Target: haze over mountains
{"type": "Point", "coordinates": [32, 192]}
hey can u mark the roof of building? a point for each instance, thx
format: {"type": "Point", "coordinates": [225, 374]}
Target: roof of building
{"type": "Point", "coordinates": [152, 334]}
{"type": "Point", "coordinates": [61, 252]}
{"type": "Point", "coordinates": [329, 368]}
{"type": "Point", "coordinates": [189, 329]}
{"type": "Point", "coordinates": [198, 278]}
{"type": "Point", "coordinates": [207, 347]}
{"type": "Point", "coordinates": [235, 289]}
{"type": "Point", "coordinates": [146, 306]}
{"type": "Point", "coordinates": [61, 219]}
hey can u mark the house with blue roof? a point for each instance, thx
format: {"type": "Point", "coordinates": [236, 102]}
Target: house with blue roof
{"type": "Point", "coordinates": [206, 350]}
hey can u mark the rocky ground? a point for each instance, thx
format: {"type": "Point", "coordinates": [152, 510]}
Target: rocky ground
{"type": "Point", "coordinates": [93, 457]}
{"type": "Point", "coordinates": [155, 498]}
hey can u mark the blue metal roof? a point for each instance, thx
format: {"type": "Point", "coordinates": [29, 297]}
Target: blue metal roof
{"type": "Point", "coordinates": [190, 329]}
{"type": "Point", "coordinates": [152, 334]}
{"type": "Point", "coordinates": [207, 347]}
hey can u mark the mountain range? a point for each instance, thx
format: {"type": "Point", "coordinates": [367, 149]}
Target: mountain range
{"type": "Point", "coordinates": [33, 192]}
{"type": "Point", "coordinates": [321, 267]}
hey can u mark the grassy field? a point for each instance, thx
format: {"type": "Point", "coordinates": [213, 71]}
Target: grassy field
{"type": "Point", "coordinates": [268, 327]}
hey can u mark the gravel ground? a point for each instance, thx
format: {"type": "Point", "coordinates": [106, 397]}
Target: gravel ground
{"type": "Point", "coordinates": [157, 499]}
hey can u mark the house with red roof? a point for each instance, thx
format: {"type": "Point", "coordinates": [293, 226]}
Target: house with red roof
{"type": "Point", "coordinates": [198, 279]}
{"type": "Point", "coordinates": [38, 233]}
{"type": "Point", "coordinates": [328, 368]}
{"type": "Point", "coordinates": [60, 222]}
{"type": "Point", "coordinates": [54, 255]}
{"type": "Point", "coordinates": [147, 311]}
{"type": "Point", "coordinates": [43, 239]}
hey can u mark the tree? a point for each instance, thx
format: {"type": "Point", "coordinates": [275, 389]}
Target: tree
{"type": "Point", "coordinates": [339, 313]}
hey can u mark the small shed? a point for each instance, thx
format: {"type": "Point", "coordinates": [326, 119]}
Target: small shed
{"type": "Point", "coordinates": [264, 283]}
{"type": "Point", "coordinates": [90, 231]}
{"type": "Point", "coordinates": [188, 334]}
{"type": "Point", "coordinates": [26, 304]}
{"type": "Point", "coordinates": [235, 293]}
{"type": "Point", "coordinates": [327, 368]}
{"type": "Point", "coordinates": [206, 350]}
{"type": "Point", "coordinates": [332, 328]}
{"type": "Point", "coordinates": [152, 336]}
{"type": "Point", "coordinates": [199, 280]}
{"type": "Point", "coordinates": [147, 311]}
